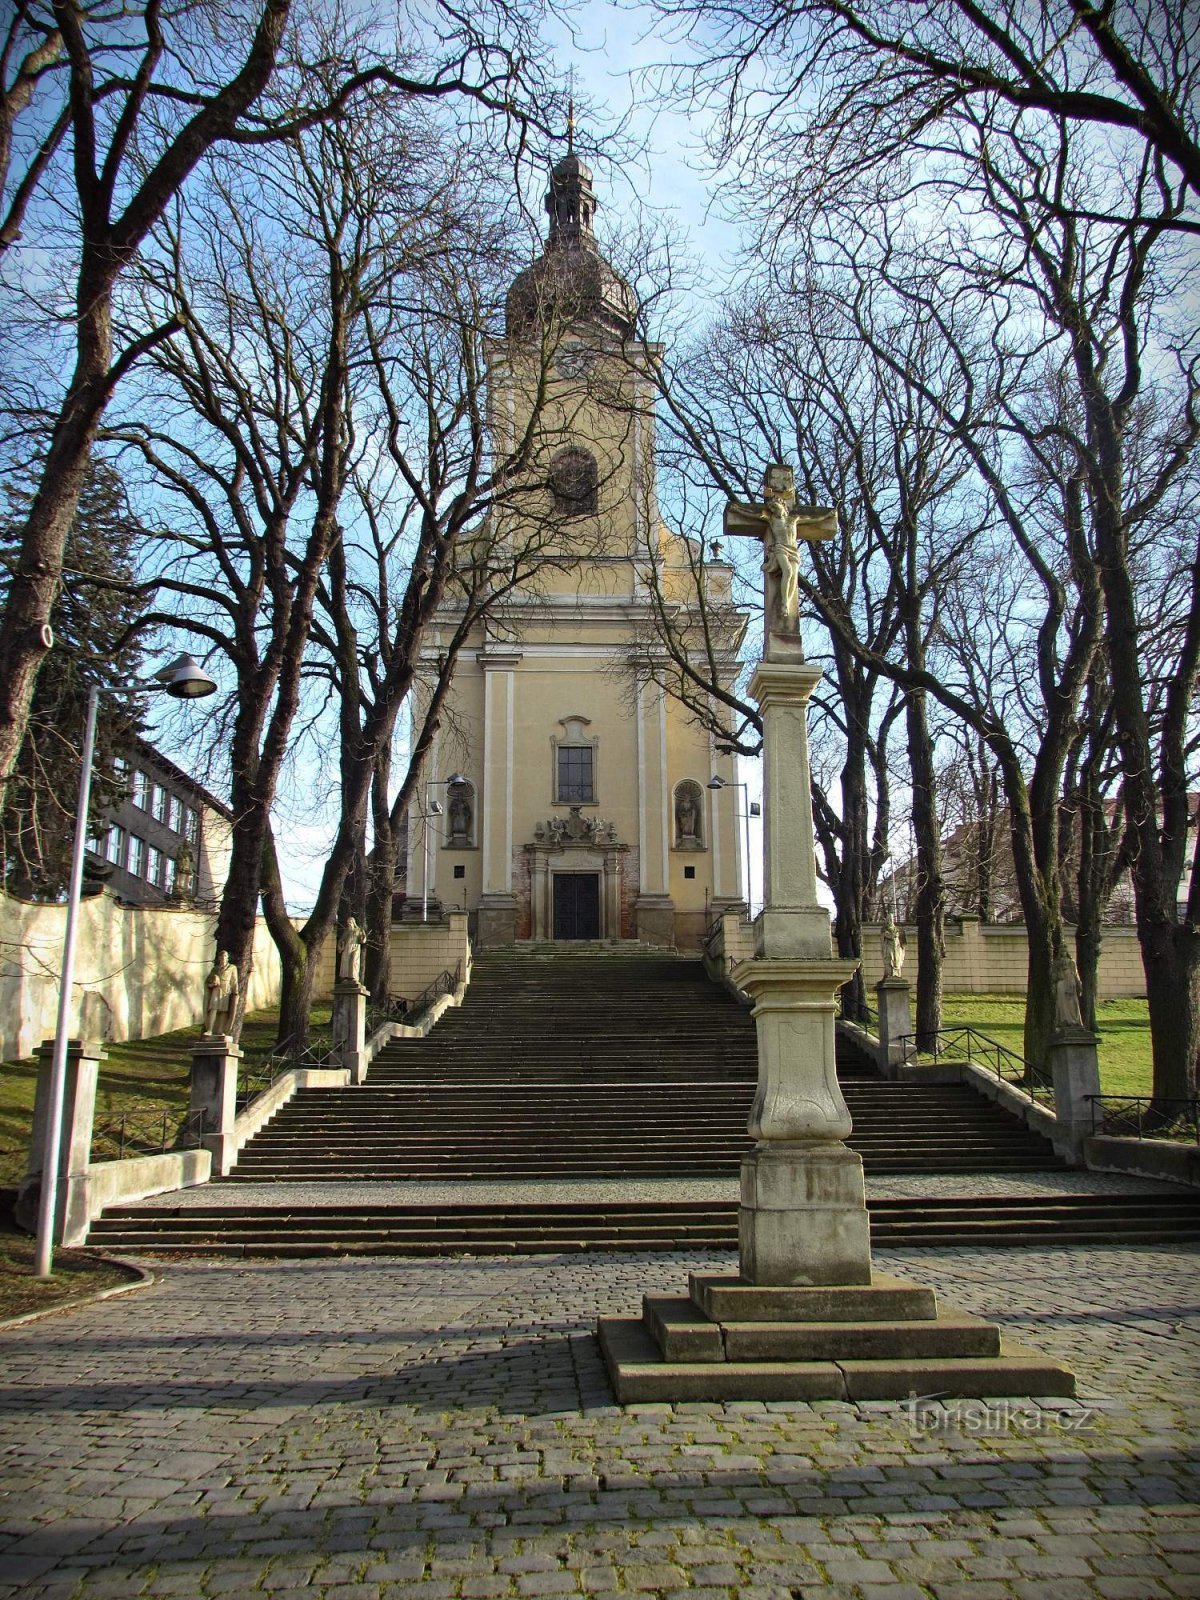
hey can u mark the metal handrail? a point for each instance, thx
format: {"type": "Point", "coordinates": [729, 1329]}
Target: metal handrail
{"type": "Point", "coordinates": [150, 1131]}
{"type": "Point", "coordinates": [980, 1049]}
{"type": "Point", "coordinates": [446, 982]}
{"type": "Point", "coordinates": [258, 1074]}
{"type": "Point", "coordinates": [1146, 1116]}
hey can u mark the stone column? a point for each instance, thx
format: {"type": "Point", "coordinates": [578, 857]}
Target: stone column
{"type": "Point", "coordinates": [350, 1028]}
{"type": "Point", "coordinates": [497, 904]}
{"type": "Point", "coordinates": [803, 1218]}
{"type": "Point", "coordinates": [1075, 1068]}
{"type": "Point", "coordinates": [893, 999]}
{"type": "Point", "coordinates": [215, 1060]}
{"type": "Point", "coordinates": [75, 1140]}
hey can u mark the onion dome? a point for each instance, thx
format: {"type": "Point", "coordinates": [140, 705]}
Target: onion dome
{"type": "Point", "coordinates": [570, 280]}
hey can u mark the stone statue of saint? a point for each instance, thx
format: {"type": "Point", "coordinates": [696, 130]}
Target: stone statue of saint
{"type": "Point", "coordinates": [460, 812]}
{"type": "Point", "coordinates": [687, 815]}
{"type": "Point", "coordinates": [220, 995]}
{"type": "Point", "coordinates": [185, 872]}
{"type": "Point", "coordinates": [892, 949]}
{"type": "Point", "coordinates": [352, 941]}
{"type": "Point", "coordinates": [1066, 992]}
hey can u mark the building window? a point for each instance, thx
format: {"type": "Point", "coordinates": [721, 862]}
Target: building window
{"type": "Point", "coordinates": [114, 845]}
{"type": "Point", "coordinates": [190, 829]}
{"type": "Point", "coordinates": [576, 784]}
{"type": "Point", "coordinates": [460, 870]}
{"type": "Point", "coordinates": [175, 814]}
{"type": "Point", "coordinates": [689, 872]}
{"type": "Point", "coordinates": [162, 803]}
{"type": "Point", "coordinates": [137, 855]}
{"type": "Point", "coordinates": [575, 483]}
{"type": "Point", "coordinates": [141, 791]}
{"type": "Point", "coordinates": [168, 874]}
{"type": "Point", "coordinates": [154, 861]}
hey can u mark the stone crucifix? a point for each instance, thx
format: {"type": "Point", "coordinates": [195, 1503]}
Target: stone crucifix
{"type": "Point", "coordinates": [780, 521]}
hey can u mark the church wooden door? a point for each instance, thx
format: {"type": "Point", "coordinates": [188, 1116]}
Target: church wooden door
{"type": "Point", "coordinates": [576, 905]}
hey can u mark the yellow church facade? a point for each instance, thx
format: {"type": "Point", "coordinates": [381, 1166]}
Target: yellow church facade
{"type": "Point", "coordinates": [567, 794]}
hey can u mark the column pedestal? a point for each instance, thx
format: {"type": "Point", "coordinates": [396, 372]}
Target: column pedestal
{"type": "Point", "coordinates": [215, 1060]}
{"type": "Point", "coordinates": [350, 1028]}
{"type": "Point", "coordinates": [893, 998]}
{"type": "Point", "coordinates": [75, 1140]}
{"type": "Point", "coordinates": [1075, 1067]}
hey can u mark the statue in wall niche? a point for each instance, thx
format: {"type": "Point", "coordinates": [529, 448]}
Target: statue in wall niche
{"type": "Point", "coordinates": [891, 947]}
{"type": "Point", "coordinates": [350, 960]}
{"type": "Point", "coordinates": [1067, 1013]}
{"type": "Point", "coordinates": [221, 989]}
{"type": "Point", "coordinates": [460, 814]}
{"type": "Point", "coordinates": [687, 816]}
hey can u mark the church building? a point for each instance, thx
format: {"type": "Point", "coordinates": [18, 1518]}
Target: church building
{"type": "Point", "coordinates": [567, 794]}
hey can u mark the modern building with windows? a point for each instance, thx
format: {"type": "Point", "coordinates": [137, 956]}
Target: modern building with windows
{"type": "Point", "coordinates": [168, 841]}
{"type": "Point", "coordinates": [583, 805]}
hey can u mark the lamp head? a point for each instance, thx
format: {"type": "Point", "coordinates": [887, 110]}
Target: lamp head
{"type": "Point", "coordinates": [185, 679]}
{"type": "Point", "coordinates": [716, 783]}
{"type": "Point", "coordinates": [435, 808]}
{"type": "Point", "coordinates": [454, 780]}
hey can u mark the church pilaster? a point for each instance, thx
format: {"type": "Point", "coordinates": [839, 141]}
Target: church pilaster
{"type": "Point", "coordinates": [497, 906]}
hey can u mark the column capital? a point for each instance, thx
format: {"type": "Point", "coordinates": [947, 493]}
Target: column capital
{"type": "Point", "coordinates": [784, 682]}
{"type": "Point", "coordinates": [498, 660]}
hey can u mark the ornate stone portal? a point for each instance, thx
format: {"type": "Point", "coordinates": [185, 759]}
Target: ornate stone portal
{"type": "Point", "coordinates": [575, 844]}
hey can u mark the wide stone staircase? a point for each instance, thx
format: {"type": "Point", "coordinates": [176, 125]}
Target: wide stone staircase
{"type": "Point", "coordinates": [567, 1068]}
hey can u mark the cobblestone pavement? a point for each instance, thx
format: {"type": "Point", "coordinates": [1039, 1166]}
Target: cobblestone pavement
{"type": "Point", "coordinates": [972, 1185]}
{"type": "Point", "coordinates": [384, 1427]}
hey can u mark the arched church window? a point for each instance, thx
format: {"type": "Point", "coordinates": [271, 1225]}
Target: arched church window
{"type": "Point", "coordinates": [574, 752]}
{"type": "Point", "coordinates": [575, 483]}
{"type": "Point", "coordinates": [689, 815]}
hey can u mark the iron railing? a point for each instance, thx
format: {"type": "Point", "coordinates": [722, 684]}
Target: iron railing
{"type": "Point", "coordinates": [146, 1131]}
{"type": "Point", "coordinates": [979, 1049]}
{"type": "Point", "coordinates": [446, 982]}
{"type": "Point", "coordinates": [1144, 1116]}
{"type": "Point", "coordinates": [259, 1073]}
{"type": "Point", "coordinates": [394, 1009]}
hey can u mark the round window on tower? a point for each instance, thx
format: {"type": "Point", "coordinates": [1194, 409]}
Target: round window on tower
{"type": "Point", "coordinates": [575, 483]}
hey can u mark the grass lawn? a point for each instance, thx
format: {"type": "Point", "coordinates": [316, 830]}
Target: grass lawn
{"type": "Point", "coordinates": [1124, 1027]}
{"type": "Point", "coordinates": [150, 1074]}
{"type": "Point", "coordinates": [76, 1273]}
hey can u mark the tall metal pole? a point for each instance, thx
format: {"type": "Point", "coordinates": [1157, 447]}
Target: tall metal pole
{"type": "Point", "coordinates": [425, 861]}
{"type": "Point", "coordinates": [746, 819]}
{"type": "Point", "coordinates": [48, 1206]}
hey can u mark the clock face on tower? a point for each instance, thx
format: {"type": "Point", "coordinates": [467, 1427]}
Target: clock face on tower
{"type": "Point", "coordinates": [574, 362]}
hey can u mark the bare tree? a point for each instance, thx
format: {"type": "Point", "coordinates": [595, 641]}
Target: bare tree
{"type": "Point", "coordinates": [146, 92]}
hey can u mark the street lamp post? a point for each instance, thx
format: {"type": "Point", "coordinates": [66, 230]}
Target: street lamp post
{"type": "Point", "coordinates": [717, 783]}
{"type": "Point", "coordinates": [433, 808]}
{"type": "Point", "coordinates": [182, 679]}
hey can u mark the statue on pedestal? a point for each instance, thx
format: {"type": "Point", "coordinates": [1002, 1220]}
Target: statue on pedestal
{"type": "Point", "coordinates": [780, 521]}
{"type": "Point", "coordinates": [1067, 1012]}
{"type": "Point", "coordinates": [891, 948]}
{"type": "Point", "coordinates": [221, 989]}
{"type": "Point", "coordinates": [352, 942]}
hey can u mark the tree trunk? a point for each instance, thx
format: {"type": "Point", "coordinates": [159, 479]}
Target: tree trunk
{"type": "Point", "coordinates": [931, 889]}
{"type": "Point", "coordinates": [381, 884]}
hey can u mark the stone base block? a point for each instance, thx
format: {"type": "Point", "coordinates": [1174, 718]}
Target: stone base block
{"type": "Point", "coordinates": [882, 1341]}
{"type": "Point", "coordinates": [803, 1216]}
{"type": "Point", "coordinates": [655, 920]}
{"type": "Point", "coordinates": [497, 922]}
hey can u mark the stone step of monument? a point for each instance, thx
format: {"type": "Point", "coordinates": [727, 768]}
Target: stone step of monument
{"type": "Point", "coordinates": [640, 1375]}
{"type": "Point", "coordinates": [883, 1340]}
{"type": "Point", "coordinates": [536, 1228]}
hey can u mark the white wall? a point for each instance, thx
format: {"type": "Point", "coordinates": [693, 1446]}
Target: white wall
{"type": "Point", "coordinates": [139, 970]}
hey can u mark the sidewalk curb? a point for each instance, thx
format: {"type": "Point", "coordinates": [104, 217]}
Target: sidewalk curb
{"type": "Point", "coordinates": [145, 1277]}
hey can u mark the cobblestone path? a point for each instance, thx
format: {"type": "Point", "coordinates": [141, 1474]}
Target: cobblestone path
{"type": "Point", "coordinates": [377, 1427]}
